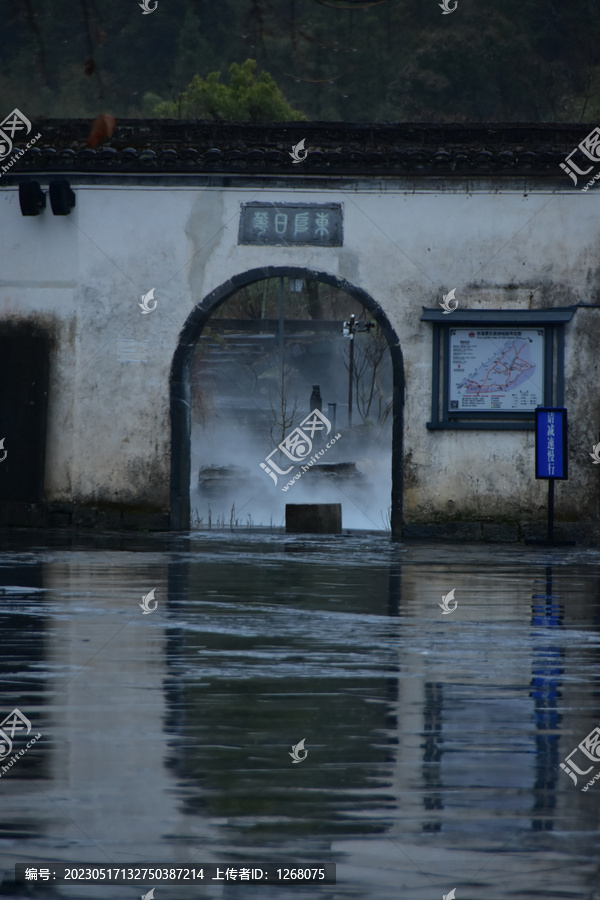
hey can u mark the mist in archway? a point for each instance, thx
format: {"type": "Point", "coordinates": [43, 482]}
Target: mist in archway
{"type": "Point", "coordinates": [253, 390]}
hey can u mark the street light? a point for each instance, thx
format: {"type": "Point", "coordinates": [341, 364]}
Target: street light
{"type": "Point", "coordinates": [349, 329]}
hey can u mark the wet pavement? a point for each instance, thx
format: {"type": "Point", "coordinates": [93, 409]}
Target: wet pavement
{"type": "Point", "coordinates": [434, 741]}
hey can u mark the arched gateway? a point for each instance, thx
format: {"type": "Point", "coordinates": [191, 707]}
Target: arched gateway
{"type": "Point", "coordinates": [180, 394]}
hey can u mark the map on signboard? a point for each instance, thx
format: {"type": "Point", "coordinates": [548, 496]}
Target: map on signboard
{"type": "Point", "coordinates": [496, 369]}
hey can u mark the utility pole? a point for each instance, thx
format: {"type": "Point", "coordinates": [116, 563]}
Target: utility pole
{"type": "Point", "coordinates": [350, 369]}
{"type": "Point", "coordinates": [281, 326]}
{"type": "Point", "coordinates": [352, 327]}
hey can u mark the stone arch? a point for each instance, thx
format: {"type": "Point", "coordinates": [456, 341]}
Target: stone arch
{"type": "Point", "coordinates": [180, 394]}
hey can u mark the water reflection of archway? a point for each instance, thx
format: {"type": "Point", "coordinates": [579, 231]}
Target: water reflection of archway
{"type": "Point", "coordinates": [181, 394]}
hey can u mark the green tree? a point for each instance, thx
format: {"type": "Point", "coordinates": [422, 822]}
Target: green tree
{"type": "Point", "coordinates": [247, 97]}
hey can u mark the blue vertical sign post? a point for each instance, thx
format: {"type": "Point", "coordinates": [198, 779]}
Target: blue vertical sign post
{"type": "Point", "coordinates": [551, 452]}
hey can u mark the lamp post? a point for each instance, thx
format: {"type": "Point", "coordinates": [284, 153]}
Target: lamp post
{"type": "Point", "coordinates": [352, 327]}
{"type": "Point", "coordinates": [350, 369]}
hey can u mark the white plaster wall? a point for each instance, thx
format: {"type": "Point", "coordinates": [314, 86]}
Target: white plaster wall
{"type": "Point", "coordinates": [109, 423]}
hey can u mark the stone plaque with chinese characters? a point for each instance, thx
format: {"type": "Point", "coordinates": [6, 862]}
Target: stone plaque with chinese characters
{"type": "Point", "coordinates": [291, 224]}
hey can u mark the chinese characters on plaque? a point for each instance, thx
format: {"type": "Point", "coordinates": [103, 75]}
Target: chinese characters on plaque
{"type": "Point", "coordinates": [291, 224]}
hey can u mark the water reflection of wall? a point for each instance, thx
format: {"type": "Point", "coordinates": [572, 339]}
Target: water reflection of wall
{"type": "Point", "coordinates": [547, 668]}
{"type": "Point", "coordinates": [23, 640]}
{"type": "Point", "coordinates": [110, 796]}
{"type": "Point", "coordinates": [24, 645]}
{"type": "Point", "coordinates": [480, 725]}
{"type": "Point", "coordinates": [429, 736]}
{"type": "Point", "coordinates": [572, 610]}
{"type": "Point", "coordinates": [255, 684]}
{"type": "Point", "coordinates": [109, 745]}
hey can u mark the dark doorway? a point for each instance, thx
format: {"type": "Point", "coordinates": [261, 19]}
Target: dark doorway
{"type": "Point", "coordinates": [183, 399]}
{"type": "Point", "coordinates": [24, 385]}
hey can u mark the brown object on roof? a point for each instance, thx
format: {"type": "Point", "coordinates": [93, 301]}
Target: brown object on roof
{"type": "Point", "coordinates": [103, 127]}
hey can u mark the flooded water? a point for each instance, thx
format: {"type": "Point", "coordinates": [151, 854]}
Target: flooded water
{"type": "Point", "coordinates": [434, 741]}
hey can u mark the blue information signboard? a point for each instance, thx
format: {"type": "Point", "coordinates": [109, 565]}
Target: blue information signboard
{"type": "Point", "coordinates": [551, 443]}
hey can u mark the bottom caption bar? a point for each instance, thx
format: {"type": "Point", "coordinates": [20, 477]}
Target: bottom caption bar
{"type": "Point", "coordinates": [92, 873]}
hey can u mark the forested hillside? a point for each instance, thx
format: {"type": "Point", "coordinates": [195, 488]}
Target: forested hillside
{"type": "Point", "coordinates": [515, 60]}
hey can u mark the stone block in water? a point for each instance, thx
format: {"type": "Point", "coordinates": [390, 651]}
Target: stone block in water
{"type": "Point", "coordinates": [313, 518]}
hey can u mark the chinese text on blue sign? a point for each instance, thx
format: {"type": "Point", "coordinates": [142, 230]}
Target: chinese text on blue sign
{"type": "Point", "coordinates": [550, 443]}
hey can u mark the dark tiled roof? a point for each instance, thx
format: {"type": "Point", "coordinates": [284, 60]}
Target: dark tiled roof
{"type": "Point", "coordinates": [337, 149]}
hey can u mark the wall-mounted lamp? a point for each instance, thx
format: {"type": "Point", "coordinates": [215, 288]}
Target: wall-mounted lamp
{"type": "Point", "coordinates": [62, 198]}
{"type": "Point", "coordinates": [32, 199]}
